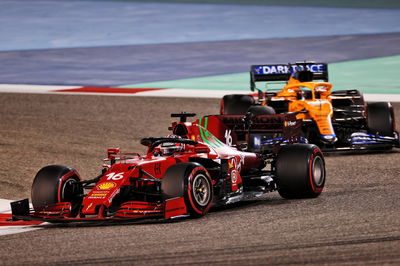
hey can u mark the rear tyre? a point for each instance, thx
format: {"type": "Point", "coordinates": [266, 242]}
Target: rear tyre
{"type": "Point", "coordinates": [192, 182]}
{"type": "Point", "coordinates": [54, 184]}
{"type": "Point", "coordinates": [380, 119]}
{"type": "Point", "coordinates": [236, 104]}
{"type": "Point", "coordinates": [300, 171]}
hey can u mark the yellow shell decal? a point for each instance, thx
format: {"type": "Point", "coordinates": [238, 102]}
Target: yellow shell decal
{"type": "Point", "coordinates": [99, 194]}
{"type": "Point", "coordinates": [106, 185]}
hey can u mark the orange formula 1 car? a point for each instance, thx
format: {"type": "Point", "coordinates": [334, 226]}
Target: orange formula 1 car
{"type": "Point", "coordinates": [331, 119]}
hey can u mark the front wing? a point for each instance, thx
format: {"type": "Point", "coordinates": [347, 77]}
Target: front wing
{"type": "Point", "coordinates": [360, 140]}
{"type": "Point", "coordinates": [129, 211]}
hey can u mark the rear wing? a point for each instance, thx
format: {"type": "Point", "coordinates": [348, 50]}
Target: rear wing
{"type": "Point", "coordinates": [282, 72]}
{"type": "Point", "coordinates": [232, 129]}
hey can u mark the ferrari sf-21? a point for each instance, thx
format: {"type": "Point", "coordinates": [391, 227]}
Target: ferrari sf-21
{"type": "Point", "coordinates": [183, 174]}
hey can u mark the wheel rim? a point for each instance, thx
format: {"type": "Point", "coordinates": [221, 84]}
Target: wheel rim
{"type": "Point", "coordinates": [69, 191]}
{"type": "Point", "coordinates": [201, 190]}
{"type": "Point", "coordinates": [318, 171]}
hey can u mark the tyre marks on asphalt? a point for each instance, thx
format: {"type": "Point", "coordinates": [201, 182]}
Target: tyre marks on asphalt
{"type": "Point", "coordinates": [246, 254]}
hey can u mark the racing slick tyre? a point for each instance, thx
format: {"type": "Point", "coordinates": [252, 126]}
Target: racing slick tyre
{"type": "Point", "coordinates": [380, 119]}
{"type": "Point", "coordinates": [261, 110]}
{"type": "Point", "coordinates": [54, 184]}
{"type": "Point", "coordinates": [236, 104]}
{"type": "Point", "coordinates": [192, 182]}
{"type": "Point", "coordinates": [300, 171]}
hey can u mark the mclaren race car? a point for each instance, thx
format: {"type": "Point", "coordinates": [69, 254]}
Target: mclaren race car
{"type": "Point", "coordinates": [183, 174]}
{"type": "Point", "coordinates": [337, 120]}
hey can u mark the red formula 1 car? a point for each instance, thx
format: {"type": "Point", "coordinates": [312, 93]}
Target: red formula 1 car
{"type": "Point", "coordinates": [182, 174]}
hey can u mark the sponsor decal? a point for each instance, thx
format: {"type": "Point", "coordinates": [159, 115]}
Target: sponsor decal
{"type": "Point", "coordinates": [241, 162]}
{"type": "Point", "coordinates": [234, 180]}
{"type": "Point", "coordinates": [90, 205]}
{"type": "Point", "coordinates": [97, 196]}
{"type": "Point", "coordinates": [236, 162]}
{"type": "Point", "coordinates": [285, 69]}
{"type": "Point", "coordinates": [290, 123]}
{"type": "Point", "coordinates": [234, 177]}
{"type": "Point", "coordinates": [260, 122]}
{"type": "Point", "coordinates": [106, 185]}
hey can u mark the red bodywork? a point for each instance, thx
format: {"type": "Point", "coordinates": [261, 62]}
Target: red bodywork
{"type": "Point", "coordinates": [144, 172]}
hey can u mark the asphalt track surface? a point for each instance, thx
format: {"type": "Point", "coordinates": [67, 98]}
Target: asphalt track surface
{"type": "Point", "coordinates": [356, 220]}
{"type": "Point", "coordinates": [121, 65]}
{"type": "Point", "coordinates": [45, 24]}
{"type": "Point", "coordinates": [318, 3]}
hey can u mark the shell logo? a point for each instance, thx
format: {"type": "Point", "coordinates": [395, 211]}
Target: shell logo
{"type": "Point", "coordinates": [106, 185]}
{"type": "Point", "coordinates": [234, 177]}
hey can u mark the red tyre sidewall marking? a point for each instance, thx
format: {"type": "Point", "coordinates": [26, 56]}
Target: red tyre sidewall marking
{"type": "Point", "coordinates": [314, 188]}
{"type": "Point", "coordinates": [190, 188]}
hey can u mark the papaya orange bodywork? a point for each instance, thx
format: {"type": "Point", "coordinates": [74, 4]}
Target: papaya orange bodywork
{"type": "Point", "coordinates": [312, 100]}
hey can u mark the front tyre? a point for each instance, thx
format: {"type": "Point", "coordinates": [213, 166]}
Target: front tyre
{"type": "Point", "coordinates": [54, 184]}
{"type": "Point", "coordinates": [300, 171]}
{"type": "Point", "coordinates": [192, 182]}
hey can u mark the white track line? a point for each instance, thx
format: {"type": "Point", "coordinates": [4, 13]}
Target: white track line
{"type": "Point", "coordinates": [10, 230]}
{"type": "Point", "coordinates": [15, 229]}
{"type": "Point", "coordinates": [191, 93]}
{"type": "Point", "coordinates": [185, 93]}
{"type": "Point", "coordinates": [26, 88]}
{"type": "Point", "coordinates": [382, 97]}
{"type": "Point", "coordinates": [5, 206]}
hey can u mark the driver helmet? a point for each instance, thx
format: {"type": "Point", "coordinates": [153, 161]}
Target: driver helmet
{"type": "Point", "coordinates": [169, 148]}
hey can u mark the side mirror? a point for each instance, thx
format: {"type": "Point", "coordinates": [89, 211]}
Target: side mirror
{"type": "Point", "coordinates": [112, 151]}
{"type": "Point", "coordinates": [110, 154]}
